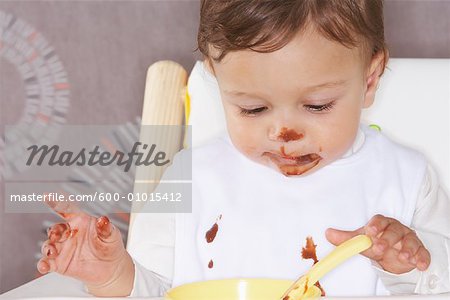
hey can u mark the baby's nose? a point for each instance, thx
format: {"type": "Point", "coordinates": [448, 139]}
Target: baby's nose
{"type": "Point", "coordinates": [285, 134]}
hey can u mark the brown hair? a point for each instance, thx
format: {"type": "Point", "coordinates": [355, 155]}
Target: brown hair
{"type": "Point", "coordinates": [268, 25]}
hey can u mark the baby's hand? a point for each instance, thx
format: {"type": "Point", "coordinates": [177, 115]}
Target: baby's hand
{"type": "Point", "coordinates": [396, 248]}
{"type": "Point", "coordinates": [87, 249]}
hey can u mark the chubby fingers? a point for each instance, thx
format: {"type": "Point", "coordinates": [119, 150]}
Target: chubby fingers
{"type": "Point", "coordinates": [390, 233]}
{"type": "Point", "coordinates": [377, 225]}
{"type": "Point", "coordinates": [410, 246]}
{"type": "Point", "coordinates": [337, 237]}
{"type": "Point", "coordinates": [46, 265]}
{"type": "Point", "coordinates": [66, 210]}
{"type": "Point", "coordinates": [423, 258]}
{"type": "Point", "coordinates": [50, 250]}
{"type": "Point", "coordinates": [43, 266]}
{"type": "Point", "coordinates": [58, 232]}
{"type": "Point", "coordinates": [385, 233]}
{"type": "Point", "coordinates": [414, 252]}
{"type": "Point", "coordinates": [104, 228]}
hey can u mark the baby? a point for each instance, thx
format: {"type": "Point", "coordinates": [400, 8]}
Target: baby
{"type": "Point", "coordinates": [294, 77]}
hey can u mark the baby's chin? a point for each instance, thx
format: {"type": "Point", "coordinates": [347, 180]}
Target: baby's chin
{"type": "Point", "coordinates": [289, 167]}
{"type": "Point", "coordinates": [293, 171]}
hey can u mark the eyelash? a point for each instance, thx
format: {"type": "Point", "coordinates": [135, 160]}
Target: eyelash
{"type": "Point", "coordinates": [313, 108]}
{"type": "Point", "coordinates": [254, 111]}
{"type": "Point", "coordinates": [320, 108]}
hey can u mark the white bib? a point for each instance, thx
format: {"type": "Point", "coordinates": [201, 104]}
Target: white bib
{"type": "Point", "coordinates": [263, 217]}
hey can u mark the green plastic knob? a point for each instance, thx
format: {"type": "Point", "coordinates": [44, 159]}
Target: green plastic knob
{"type": "Point", "coordinates": [375, 126]}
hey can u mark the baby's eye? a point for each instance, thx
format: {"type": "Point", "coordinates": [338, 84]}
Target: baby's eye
{"type": "Point", "coordinates": [319, 108]}
{"type": "Point", "coordinates": [253, 111]}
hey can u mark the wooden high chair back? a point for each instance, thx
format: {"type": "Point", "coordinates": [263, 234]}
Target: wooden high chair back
{"type": "Point", "coordinates": [164, 97]}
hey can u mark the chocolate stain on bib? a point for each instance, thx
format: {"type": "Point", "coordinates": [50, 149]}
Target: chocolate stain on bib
{"type": "Point", "coordinates": [309, 252]}
{"type": "Point", "coordinates": [211, 235]}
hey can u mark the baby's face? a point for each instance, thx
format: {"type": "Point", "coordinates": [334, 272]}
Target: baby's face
{"type": "Point", "coordinates": [296, 109]}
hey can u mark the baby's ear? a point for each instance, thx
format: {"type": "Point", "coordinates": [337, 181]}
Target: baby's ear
{"type": "Point", "coordinates": [373, 75]}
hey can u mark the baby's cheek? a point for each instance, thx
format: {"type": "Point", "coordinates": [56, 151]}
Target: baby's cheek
{"type": "Point", "coordinates": [247, 144]}
{"type": "Point", "coordinates": [251, 152]}
{"type": "Point", "coordinates": [241, 143]}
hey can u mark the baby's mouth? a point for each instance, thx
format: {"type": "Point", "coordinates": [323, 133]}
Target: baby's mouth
{"type": "Point", "coordinates": [294, 165]}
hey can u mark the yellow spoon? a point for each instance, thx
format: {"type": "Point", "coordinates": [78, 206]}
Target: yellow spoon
{"type": "Point", "coordinates": [301, 288]}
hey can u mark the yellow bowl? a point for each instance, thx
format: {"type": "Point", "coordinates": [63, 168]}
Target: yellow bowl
{"type": "Point", "coordinates": [235, 289]}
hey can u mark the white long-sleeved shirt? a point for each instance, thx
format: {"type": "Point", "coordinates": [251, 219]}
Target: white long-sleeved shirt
{"type": "Point", "coordinates": [430, 221]}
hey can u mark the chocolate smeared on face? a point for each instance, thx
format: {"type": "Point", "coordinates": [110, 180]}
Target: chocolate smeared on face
{"type": "Point", "coordinates": [302, 159]}
{"type": "Point", "coordinates": [308, 158]}
{"type": "Point", "coordinates": [309, 252]}
{"type": "Point", "coordinates": [293, 165]}
{"type": "Point", "coordinates": [289, 135]}
{"type": "Point", "coordinates": [292, 171]}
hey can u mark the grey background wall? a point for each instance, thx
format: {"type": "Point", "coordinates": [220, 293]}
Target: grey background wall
{"type": "Point", "coordinates": [105, 48]}
{"type": "Point", "coordinates": [418, 28]}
